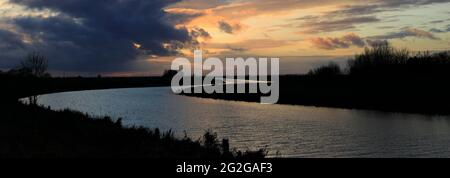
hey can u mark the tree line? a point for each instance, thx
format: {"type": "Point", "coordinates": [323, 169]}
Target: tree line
{"type": "Point", "coordinates": [383, 60]}
{"type": "Point", "coordinates": [34, 65]}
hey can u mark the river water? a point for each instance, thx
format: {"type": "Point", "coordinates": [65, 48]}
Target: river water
{"type": "Point", "coordinates": [286, 131]}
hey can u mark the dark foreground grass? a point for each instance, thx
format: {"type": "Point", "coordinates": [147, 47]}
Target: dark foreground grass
{"type": "Point", "coordinates": [30, 131]}
{"type": "Point", "coordinates": [34, 132]}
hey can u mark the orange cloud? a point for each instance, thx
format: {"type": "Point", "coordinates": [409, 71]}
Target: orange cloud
{"type": "Point", "coordinates": [346, 41]}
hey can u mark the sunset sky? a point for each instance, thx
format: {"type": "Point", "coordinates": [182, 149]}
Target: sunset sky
{"type": "Point", "coordinates": [142, 37]}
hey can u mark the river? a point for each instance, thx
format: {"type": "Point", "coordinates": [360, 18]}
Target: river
{"type": "Point", "coordinates": [286, 131]}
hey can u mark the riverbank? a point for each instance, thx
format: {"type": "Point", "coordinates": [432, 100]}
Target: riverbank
{"type": "Point", "coordinates": [30, 131]}
{"type": "Point", "coordinates": [34, 132]}
{"type": "Point", "coordinates": [381, 78]}
{"type": "Point", "coordinates": [19, 87]}
{"type": "Point", "coordinates": [420, 95]}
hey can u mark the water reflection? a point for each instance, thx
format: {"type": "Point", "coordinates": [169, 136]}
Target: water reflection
{"type": "Point", "coordinates": [294, 131]}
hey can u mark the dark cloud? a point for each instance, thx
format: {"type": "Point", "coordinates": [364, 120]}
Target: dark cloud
{"type": "Point", "coordinates": [238, 50]}
{"type": "Point", "coordinates": [246, 46]}
{"type": "Point", "coordinates": [437, 21]}
{"type": "Point", "coordinates": [10, 41]}
{"type": "Point", "coordinates": [200, 33]}
{"type": "Point", "coordinates": [354, 39]}
{"type": "Point", "coordinates": [99, 35]}
{"type": "Point", "coordinates": [406, 32]}
{"type": "Point", "coordinates": [225, 27]}
{"type": "Point", "coordinates": [376, 42]}
{"type": "Point", "coordinates": [349, 16]}
{"type": "Point", "coordinates": [12, 49]}
{"type": "Point", "coordinates": [435, 30]}
{"type": "Point", "coordinates": [201, 4]}
{"type": "Point", "coordinates": [386, 27]}
{"type": "Point", "coordinates": [228, 28]}
{"type": "Point", "coordinates": [377, 6]}
{"type": "Point", "coordinates": [352, 10]}
{"type": "Point", "coordinates": [346, 41]}
{"type": "Point", "coordinates": [317, 25]}
{"type": "Point", "coordinates": [444, 30]}
{"type": "Point", "coordinates": [351, 39]}
{"type": "Point", "coordinates": [182, 17]}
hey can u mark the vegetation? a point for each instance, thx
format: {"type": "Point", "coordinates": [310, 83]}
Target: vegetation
{"type": "Point", "coordinates": [31, 131]}
{"type": "Point", "coordinates": [331, 69]}
{"type": "Point", "coordinates": [36, 64]}
{"type": "Point", "coordinates": [381, 78]}
{"type": "Point", "coordinates": [383, 60]}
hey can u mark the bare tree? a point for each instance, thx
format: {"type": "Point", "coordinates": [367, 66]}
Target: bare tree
{"type": "Point", "coordinates": [36, 64]}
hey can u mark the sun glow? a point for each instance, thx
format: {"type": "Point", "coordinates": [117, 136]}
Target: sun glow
{"type": "Point", "coordinates": [137, 45]}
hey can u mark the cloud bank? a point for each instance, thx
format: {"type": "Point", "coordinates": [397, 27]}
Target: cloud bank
{"type": "Point", "coordinates": [87, 35]}
{"type": "Point", "coordinates": [407, 32]}
{"type": "Point", "coordinates": [228, 28]}
{"type": "Point", "coordinates": [352, 39]}
{"type": "Point", "coordinates": [346, 41]}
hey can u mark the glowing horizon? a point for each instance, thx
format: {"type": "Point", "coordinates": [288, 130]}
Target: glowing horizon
{"type": "Point", "coordinates": [317, 28]}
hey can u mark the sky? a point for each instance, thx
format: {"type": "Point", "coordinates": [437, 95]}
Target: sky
{"type": "Point", "coordinates": [142, 37]}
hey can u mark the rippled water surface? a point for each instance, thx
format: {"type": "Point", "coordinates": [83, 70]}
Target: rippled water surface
{"type": "Point", "coordinates": [292, 131]}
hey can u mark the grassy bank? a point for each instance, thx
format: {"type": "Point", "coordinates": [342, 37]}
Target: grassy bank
{"type": "Point", "coordinates": [31, 131]}
{"type": "Point", "coordinates": [35, 132]}
{"type": "Point", "coordinates": [14, 87]}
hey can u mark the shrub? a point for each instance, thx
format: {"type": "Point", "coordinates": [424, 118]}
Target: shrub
{"type": "Point", "coordinates": [331, 69]}
{"type": "Point", "coordinates": [384, 60]}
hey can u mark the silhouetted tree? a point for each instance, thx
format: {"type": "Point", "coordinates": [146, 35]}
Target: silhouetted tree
{"type": "Point", "coordinates": [384, 60]}
{"type": "Point", "coordinates": [378, 60]}
{"type": "Point", "coordinates": [36, 64]}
